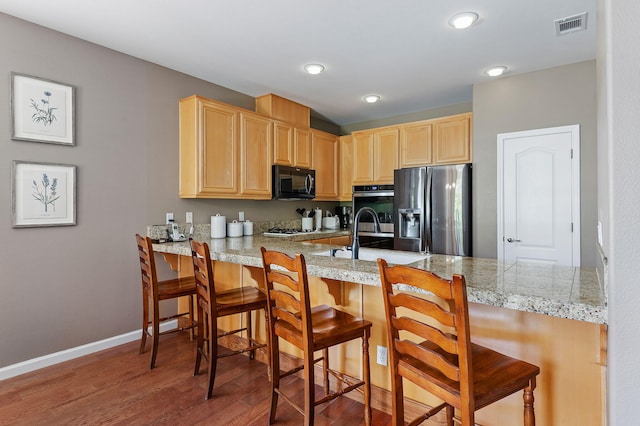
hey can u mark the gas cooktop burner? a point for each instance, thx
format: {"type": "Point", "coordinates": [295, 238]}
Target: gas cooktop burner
{"type": "Point", "coordinates": [283, 232]}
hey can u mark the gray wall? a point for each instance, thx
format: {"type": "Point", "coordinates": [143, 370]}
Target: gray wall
{"type": "Point", "coordinates": [67, 286]}
{"type": "Point", "coordinates": [407, 118]}
{"type": "Point", "coordinates": [619, 52]}
{"type": "Point", "coordinates": [552, 97]}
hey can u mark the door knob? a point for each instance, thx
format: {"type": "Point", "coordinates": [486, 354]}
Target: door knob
{"type": "Point", "coordinates": [511, 240]}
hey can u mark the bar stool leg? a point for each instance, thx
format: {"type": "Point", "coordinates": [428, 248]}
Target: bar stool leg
{"type": "Point", "coordinates": [367, 377]}
{"type": "Point", "coordinates": [529, 414]}
{"type": "Point", "coordinates": [252, 353]}
{"type": "Point", "coordinates": [325, 370]}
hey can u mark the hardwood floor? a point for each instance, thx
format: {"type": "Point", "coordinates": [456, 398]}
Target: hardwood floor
{"type": "Point", "coordinates": [115, 386]}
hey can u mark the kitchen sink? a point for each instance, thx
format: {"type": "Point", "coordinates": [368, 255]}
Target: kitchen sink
{"type": "Point", "coordinates": [371, 255]}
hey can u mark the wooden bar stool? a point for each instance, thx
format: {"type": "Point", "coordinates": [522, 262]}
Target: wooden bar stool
{"type": "Point", "coordinates": [464, 375]}
{"type": "Point", "coordinates": [153, 291]}
{"type": "Point", "coordinates": [212, 304]}
{"type": "Point", "coordinates": [292, 318]}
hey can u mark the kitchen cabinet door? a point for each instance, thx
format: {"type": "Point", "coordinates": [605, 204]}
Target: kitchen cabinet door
{"type": "Point", "coordinates": [208, 149]}
{"type": "Point", "coordinates": [255, 154]}
{"type": "Point", "coordinates": [291, 145]}
{"type": "Point", "coordinates": [415, 144]}
{"type": "Point", "coordinates": [302, 148]}
{"type": "Point", "coordinates": [324, 158]}
{"type": "Point", "coordinates": [452, 140]}
{"type": "Point", "coordinates": [385, 154]}
{"type": "Point", "coordinates": [345, 175]}
{"type": "Point", "coordinates": [362, 157]}
{"type": "Point", "coordinates": [375, 155]}
{"type": "Point", "coordinates": [282, 143]}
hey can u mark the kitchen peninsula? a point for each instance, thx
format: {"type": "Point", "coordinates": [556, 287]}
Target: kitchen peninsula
{"type": "Point", "coordinates": [552, 316]}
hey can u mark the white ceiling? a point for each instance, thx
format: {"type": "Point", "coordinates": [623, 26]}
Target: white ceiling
{"type": "Point", "coordinates": [402, 50]}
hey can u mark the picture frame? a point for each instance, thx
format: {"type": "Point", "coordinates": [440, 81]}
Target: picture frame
{"type": "Point", "coordinates": [43, 194]}
{"type": "Point", "coordinates": [42, 110]}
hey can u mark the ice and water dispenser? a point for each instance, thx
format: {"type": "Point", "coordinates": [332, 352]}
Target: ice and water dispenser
{"type": "Point", "coordinates": [410, 223]}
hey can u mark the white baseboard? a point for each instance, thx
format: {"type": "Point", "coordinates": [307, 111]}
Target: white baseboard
{"type": "Point", "coordinates": [69, 354]}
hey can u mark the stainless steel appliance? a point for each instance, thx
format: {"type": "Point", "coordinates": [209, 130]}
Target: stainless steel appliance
{"type": "Point", "coordinates": [285, 232]}
{"type": "Point", "coordinates": [380, 199]}
{"type": "Point", "coordinates": [432, 207]}
{"type": "Point", "coordinates": [344, 213]}
{"type": "Point", "coordinates": [293, 183]}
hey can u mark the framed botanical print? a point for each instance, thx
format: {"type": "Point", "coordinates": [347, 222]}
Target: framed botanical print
{"type": "Point", "coordinates": [43, 194]}
{"type": "Point", "coordinates": [42, 110]}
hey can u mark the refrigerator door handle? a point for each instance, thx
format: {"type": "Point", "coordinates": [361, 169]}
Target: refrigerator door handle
{"type": "Point", "coordinates": [426, 243]}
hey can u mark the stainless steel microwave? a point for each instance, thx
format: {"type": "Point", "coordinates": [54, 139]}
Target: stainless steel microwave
{"type": "Point", "coordinates": [293, 183]}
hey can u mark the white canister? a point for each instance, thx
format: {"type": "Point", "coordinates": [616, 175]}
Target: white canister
{"type": "Point", "coordinates": [318, 218]}
{"type": "Point", "coordinates": [234, 229]}
{"type": "Point", "coordinates": [247, 227]}
{"type": "Point", "coordinates": [307, 224]}
{"type": "Point", "coordinates": [218, 226]}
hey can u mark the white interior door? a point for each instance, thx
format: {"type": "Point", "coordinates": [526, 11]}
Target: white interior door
{"type": "Point", "coordinates": [539, 196]}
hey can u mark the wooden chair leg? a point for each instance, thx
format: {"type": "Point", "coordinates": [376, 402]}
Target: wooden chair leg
{"type": "Point", "coordinates": [145, 321]}
{"type": "Point", "coordinates": [155, 338]}
{"type": "Point", "coordinates": [274, 361]}
{"type": "Point", "coordinates": [200, 342]}
{"type": "Point", "coordinates": [367, 378]}
{"type": "Point", "coordinates": [191, 318]}
{"type": "Point", "coordinates": [252, 353]}
{"type": "Point", "coordinates": [213, 359]}
{"type": "Point", "coordinates": [529, 414]}
{"type": "Point", "coordinates": [325, 370]}
{"type": "Point", "coordinates": [449, 413]}
{"type": "Point", "coordinates": [309, 390]}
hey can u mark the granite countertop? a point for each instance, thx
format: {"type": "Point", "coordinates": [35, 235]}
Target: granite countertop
{"type": "Point", "coordinates": [560, 291]}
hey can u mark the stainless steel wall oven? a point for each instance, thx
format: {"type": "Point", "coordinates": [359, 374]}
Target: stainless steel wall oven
{"type": "Point", "coordinates": [380, 199]}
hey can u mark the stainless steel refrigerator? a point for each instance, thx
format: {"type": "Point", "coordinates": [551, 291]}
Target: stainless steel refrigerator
{"type": "Point", "coordinates": [432, 209]}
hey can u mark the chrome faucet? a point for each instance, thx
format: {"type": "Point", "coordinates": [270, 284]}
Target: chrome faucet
{"type": "Point", "coordinates": [355, 244]}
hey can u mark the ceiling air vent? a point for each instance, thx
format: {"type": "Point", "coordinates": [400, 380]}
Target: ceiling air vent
{"type": "Point", "coordinates": [571, 24]}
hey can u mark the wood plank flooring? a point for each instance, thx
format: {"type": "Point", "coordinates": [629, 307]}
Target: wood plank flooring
{"type": "Point", "coordinates": [115, 386]}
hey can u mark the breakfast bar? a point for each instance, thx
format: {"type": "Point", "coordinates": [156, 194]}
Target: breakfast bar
{"type": "Point", "coordinates": [552, 316]}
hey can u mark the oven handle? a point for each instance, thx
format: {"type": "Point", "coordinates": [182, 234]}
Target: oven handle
{"type": "Point", "coordinates": [376, 234]}
{"type": "Point", "coordinates": [373, 194]}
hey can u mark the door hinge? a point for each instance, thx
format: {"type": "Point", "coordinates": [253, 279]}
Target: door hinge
{"type": "Point", "coordinates": [571, 153]}
{"type": "Point", "coordinates": [571, 226]}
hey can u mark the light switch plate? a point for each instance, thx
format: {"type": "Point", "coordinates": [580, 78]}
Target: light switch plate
{"type": "Point", "coordinates": [189, 218]}
{"type": "Point", "coordinates": [240, 216]}
{"type": "Point", "coordinates": [169, 218]}
{"type": "Point", "coordinates": [381, 358]}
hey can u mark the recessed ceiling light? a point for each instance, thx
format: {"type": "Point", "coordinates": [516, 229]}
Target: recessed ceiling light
{"type": "Point", "coordinates": [463, 20]}
{"type": "Point", "coordinates": [372, 99]}
{"type": "Point", "coordinates": [314, 68]}
{"type": "Point", "coordinates": [496, 71]}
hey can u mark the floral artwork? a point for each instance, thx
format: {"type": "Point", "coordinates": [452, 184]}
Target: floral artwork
{"type": "Point", "coordinates": [42, 110]}
{"type": "Point", "coordinates": [46, 194]}
{"type": "Point", "coordinates": [43, 194]}
{"type": "Point", "coordinates": [44, 114]}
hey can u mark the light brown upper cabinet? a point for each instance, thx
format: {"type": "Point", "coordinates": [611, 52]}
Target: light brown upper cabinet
{"type": "Point", "coordinates": [291, 145]}
{"type": "Point", "coordinates": [346, 168]}
{"type": "Point", "coordinates": [452, 139]}
{"type": "Point", "coordinates": [375, 155]}
{"type": "Point", "coordinates": [255, 156]}
{"type": "Point", "coordinates": [415, 144]}
{"type": "Point", "coordinates": [324, 160]}
{"type": "Point", "coordinates": [225, 151]}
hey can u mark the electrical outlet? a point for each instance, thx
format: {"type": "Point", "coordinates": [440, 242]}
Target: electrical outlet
{"type": "Point", "coordinates": [169, 218]}
{"type": "Point", "coordinates": [382, 355]}
{"type": "Point", "coordinates": [240, 216]}
{"type": "Point", "coordinates": [189, 217]}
